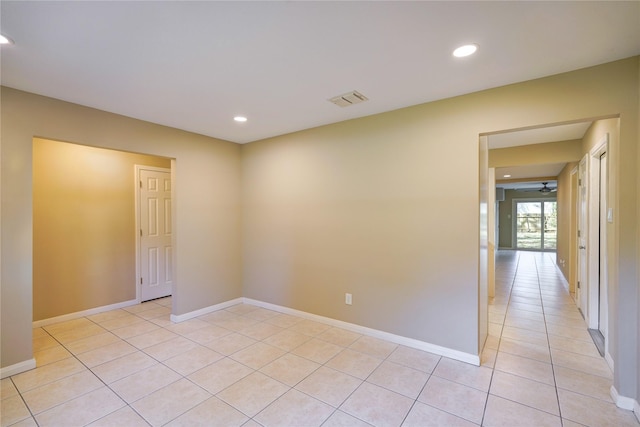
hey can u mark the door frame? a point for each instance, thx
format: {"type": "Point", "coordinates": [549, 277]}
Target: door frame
{"type": "Point", "coordinates": [603, 294]}
{"type": "Point", "coordinates": [573, 230]}
{"type": "Point", "coordinates": [582, 222]}
{"type": "Point", "coordinates": [136, 183]}
{"type": "Point", "coordinates": [593, 230]}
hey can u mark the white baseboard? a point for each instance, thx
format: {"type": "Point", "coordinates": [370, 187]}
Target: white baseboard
{"type": "Point", "coordinates": [609, 360]}
{"type": "Point", "coordinates": [636, 410]}
{"type": "Point", "coordinates": [397, 339]}
{"type": "Point", "coordinates": [623, 402]}
{"type": "Point", "coordinates": [182, 317]}
{"type": "Point", "coordinates": [17, 368]}
{"type": "Point", "coordinates": [79, 314]}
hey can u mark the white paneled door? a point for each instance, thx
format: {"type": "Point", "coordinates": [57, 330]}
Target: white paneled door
{"type": "Point", "coordinates": [603, 294]}
{"type": "Point", "coordinates": [582, 285]}
{"type": "Point", "coordinates": [156, 259]}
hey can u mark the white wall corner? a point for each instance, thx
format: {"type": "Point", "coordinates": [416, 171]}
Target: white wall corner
{"type": "Point", "coordinates": [636, 410]}
{"type": "Point", "coordinates": [623, 402]}
{"type": "Point", "coordinates": [609, 360]}
{"type": "Point", "coordinates": [193, 314]}
{"type": "Point", "coordinates": [397, 339]}
{"type": "Point", "coordinates": [17, 368]}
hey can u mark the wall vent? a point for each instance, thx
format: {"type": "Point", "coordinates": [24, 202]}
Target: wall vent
{"type": "Point", "coordinates": [349, 98]}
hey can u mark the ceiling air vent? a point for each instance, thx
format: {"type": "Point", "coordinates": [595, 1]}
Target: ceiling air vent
{"type": "Point", "coordinates": [349, 98]}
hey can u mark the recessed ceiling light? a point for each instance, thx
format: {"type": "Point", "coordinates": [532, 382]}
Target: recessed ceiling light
{"type": "Point", "coordinates": [466, 50]}
{"type": "Point", "coordinates": [240, 119]}
{"type": "Point", "coordinates": [5, 40]}
{"type": "Point", "coordinates": [507, 176]}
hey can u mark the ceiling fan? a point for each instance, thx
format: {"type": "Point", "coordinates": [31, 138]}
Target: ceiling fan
{"type": "Point", "coordinates": [544, 190]}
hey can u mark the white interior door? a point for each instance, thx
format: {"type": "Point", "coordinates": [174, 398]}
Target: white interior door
{"type": "Point", "coordinates": [155, 233]}
{"type": "Point", "coordinates": [581, 288]}
{"type": "Point", "coordinates": [603, 300]}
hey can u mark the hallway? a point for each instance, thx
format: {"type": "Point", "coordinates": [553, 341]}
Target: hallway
{"type": "Point", "coordinates": [541, 351]}
{"type": "Point", "coordinates": [248, 366]}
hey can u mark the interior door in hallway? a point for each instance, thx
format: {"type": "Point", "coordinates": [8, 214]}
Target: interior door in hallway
{"type": "Point", "coordinates": [603, 299]}
{"type": "Point", "coordinates": [156, 258]}
{"type": "Point", "coordinates": [581, 286]}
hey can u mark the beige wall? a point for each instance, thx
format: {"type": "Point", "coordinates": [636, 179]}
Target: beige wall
{"type": "Point", "coordinates": [353, 207]}
{"type": "Point", "coordinates": [535, 154]}
{"type": "Point", "coordinates": [386, 206]}
{"type": "Point", "coordinates": [206, 193]}
{"type": "Point", "coordinates": [637, 307]}
{"type": "Point", "coordinates": [566, 195]}
{"type": "Point", "coordinates": [622, 293]}
{"type": "Point", "coordinates": [83, 226]}
{"type": "Point", "coordinates": [567, 223]}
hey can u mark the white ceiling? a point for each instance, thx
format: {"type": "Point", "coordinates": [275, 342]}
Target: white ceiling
{"type": "Point", "coordinates": [194, 65]}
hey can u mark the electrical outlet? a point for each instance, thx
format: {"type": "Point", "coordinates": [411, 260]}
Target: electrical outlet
{"type": "Point", "coordinates": [347, 299]}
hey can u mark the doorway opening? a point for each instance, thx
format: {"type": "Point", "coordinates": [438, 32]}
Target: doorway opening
{"type": "Point", "coordinates": [536, 224]}
{"type": "Point", "coordinates": [84, 253]}
{"type": "Point", "coordinates": [596, 246]}
{"type": "Point", "coordinates": [578, 230]}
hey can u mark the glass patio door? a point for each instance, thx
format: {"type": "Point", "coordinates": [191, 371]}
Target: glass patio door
{"type": "Point", "coordinates": [536, 225]}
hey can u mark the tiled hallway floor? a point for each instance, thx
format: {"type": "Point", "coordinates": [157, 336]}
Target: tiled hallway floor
{"type": "Point", "coordinates": [253, 367]}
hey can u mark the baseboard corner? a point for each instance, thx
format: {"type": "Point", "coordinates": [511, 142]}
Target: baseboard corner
{"type": "Point", "coordinates": [177, 318]}
{"type": "Point", "coordinates": [17, 368]}
{"type": "Point", "coordinates": [473, 359]}
{"type": "Point", "coordinates": [84, 313]}
{"type": "Point", "coordinates": [623, 402]}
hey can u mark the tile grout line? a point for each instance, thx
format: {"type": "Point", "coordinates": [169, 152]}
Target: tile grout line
{"type": "Point", "coordinates": [548, 345]}
{"type": "Point", "coordinates": [275, 379]}
{"type": "Point", "coordinates": [95, 375]}
{"type": "Point", "coordinates": [67, 376]}
{"type": "Point", "coordinates": [540, 271]}
{"type": "Point", "coordinates": [546, 329]}
{"type": "Point", "coordinates": [420, 392]}
{"type": "Point", "coordinates": [25, 404]}
{"type": "Point", "coordinates": [504, 319]}
{"type": "Point", "coordinates": [127, 404]}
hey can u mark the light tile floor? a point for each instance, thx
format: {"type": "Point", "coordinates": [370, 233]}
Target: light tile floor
{"type": "Point", "coordinates": [253, 367]}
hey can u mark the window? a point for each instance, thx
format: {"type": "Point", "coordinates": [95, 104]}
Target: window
{"type": "Point", "coordinates": [536, 224]}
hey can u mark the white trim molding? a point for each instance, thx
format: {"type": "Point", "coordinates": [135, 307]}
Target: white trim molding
{"type": "Point", "coordinates": [192, 314]}
{"type": "Point", "coordinates": [17, 368]}
{"type": "Point", "coordinates": [84, 313]}
{"type": "Point", "coordinates": [609, 360]}
{"type": "Point", "coordinates": [397, 339]}
{"type": "Point", "coordinates": [623, 402]}
{"type": "Point", "coordinates": [593, 236]}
